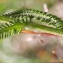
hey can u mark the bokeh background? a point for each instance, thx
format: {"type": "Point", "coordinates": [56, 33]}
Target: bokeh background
{"type": "Point", "coordinates": [10, 5]}
{"type": "Point", "coordinates": [52, 44]}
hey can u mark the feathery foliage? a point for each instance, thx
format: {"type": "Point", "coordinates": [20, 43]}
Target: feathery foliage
{"type": "Point", "coordinates": [37, 16]}
{"type": "Point", "coordinates": [18, 20]}
{"type": "Point", "coordinates": [10, 29]}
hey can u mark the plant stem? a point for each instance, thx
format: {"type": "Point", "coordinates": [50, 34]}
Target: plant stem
{"type": "Point", "coordinates": [45, 28]}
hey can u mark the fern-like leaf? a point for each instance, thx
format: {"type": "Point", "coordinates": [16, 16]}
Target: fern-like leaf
{"type": "Point", "coordinates": [32, 19]}
{"type": "Point", "coordinates": [37, 16]}
{"type": "Point", "coordinates": [11, 29]}
{"type": "Point", "coordinates": [4, 19]}
{"type": "Point", "coordinates": [7, 30]}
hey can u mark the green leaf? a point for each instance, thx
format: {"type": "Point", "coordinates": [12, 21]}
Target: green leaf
{"type": "Point", "coordinates": [17, 20]}
{"type": "Point", "coordinates": [11, 29]}
{"type": "Point", "coordinates": [37, 16]}
{"type": "Point", "coordinates": [4, 19]}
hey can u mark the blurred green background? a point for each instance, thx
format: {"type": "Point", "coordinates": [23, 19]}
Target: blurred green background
{"type": "Point", "coordinates": [54, 7]}
{"type": "Point", "coordinates": [11, 5]}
